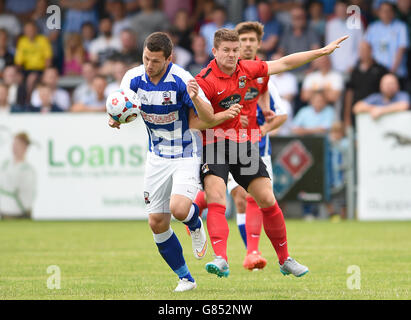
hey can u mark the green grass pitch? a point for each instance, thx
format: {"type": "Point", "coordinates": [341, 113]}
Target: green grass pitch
{"type": "Point", "coordinates": [119, 260]}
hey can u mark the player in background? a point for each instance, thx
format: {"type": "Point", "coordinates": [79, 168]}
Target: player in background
{"type": "Point", "coordinates": [172, 169]}
{"type": "Point", "coordinates": [225, 81]}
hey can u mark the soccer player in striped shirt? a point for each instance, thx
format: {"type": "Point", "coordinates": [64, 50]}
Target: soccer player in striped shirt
{"type": "Point", "coordinates": [227, 147]}
{"type": "Point", "coordinates": [172, 169]}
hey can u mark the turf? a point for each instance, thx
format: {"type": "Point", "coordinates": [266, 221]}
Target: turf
{"type": "Point", "coordinates": [119, 260]}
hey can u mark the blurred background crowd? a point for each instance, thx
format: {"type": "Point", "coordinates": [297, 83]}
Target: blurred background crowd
{"type": "Point", "coordinates": [74, 67]}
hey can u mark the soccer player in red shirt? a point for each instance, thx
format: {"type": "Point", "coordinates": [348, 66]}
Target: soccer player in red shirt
{"type": "Point", "coordinates": [227, 147]}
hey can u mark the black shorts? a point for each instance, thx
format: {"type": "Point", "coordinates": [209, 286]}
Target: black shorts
{"type": "Point", "coordinates": [241, 159]}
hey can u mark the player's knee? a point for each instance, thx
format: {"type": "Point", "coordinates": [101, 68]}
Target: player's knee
{"type": "Point", "coordinates": [179, 211]}
{"type": "Point", "coordinates": [265, 199]}
{"type": "Point", "coordinates": [157, 223]}
{"type": "Point", "coordinates": [215, 196]}
{"type": "Point", "coordinates": [240, 199]}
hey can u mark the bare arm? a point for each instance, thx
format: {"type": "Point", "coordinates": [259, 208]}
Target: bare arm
{"type": "Point", "coordinates": [298, 59]}
{"type": "Point", "coordinates": [196, 123]}
{"type": "Point", "coordinates": [304, 131]}
{"type": "Point", "coordinates": [204, 110]}
{"type": "Point", "coordinates": [397, 60]}
{"type": "Point", "coordinates": [275, 123]}
{"type": "Point", "coordinates": [349, 96]}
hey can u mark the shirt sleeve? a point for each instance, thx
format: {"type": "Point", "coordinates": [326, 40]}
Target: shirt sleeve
{"type": "Point", "coordinates": [402, 96]}
{"type": "Point", "coordinates": [403, 35]}
{"type": "Point", "coordinates": [255, 69]}
{"type": "Point", "coordinates": [373, 98]}
{"type": "Point", "coordinates": [206, 87]}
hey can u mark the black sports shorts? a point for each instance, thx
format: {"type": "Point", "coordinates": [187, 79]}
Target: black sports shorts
{"type": "Point", "coordinates": [241, 159]}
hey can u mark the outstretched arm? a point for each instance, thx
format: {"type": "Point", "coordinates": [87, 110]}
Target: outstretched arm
{"type": "Point", "coordinates": [196, 123]}
{"type": "Point", "coordinates": [298, 59]}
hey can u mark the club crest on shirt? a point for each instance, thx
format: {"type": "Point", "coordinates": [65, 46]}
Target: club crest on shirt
{"type": "Point", "coordinates": [242, 81]}
{"type": "Point", "coordinates": [146, 195]}
{"type": "Point", "coordinates": [205, 168]}
{"type": "Point", "coordinates": [166, 98]}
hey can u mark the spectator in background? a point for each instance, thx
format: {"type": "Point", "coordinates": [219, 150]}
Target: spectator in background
{"type": "Point", "coordinates": [181, 56]}
{"type": "Point", "coordinates": [345, 59]}
{"type": "Point", "coordinates": [364, 80]}
{"type": "Point", "coordinates": [74, 55]}
{"type": "Point", "coordinates": [172, 7]}
{"type": "Point", "coordinates": [317, 20]}
{"type": "Point", "coordinates": [183, 29]}
{"type": "Point", "coordinates": [117, 10]}
{"type": "Point", "coordinates": [13, 79]}
{"type": "Point", "coordinates": [84, 89]}
{"type": "Point", "coordinates": [271, 28]}
{"type": "Point", "coordinates": [119, 70]}
{"type": "Point", "coordinates": [329, 81]}
{"type": "Point", "coordinates": [131, 6]}
{"type": "Point", "coordinates": [219, 20]}
{"type": "Point", "coordinates": [286, 83]}
{"type": "Point", "coordinates": [315, 118]}
{"type": "Point", "coordinates": [88, 34]}
{"type": "Point", "coordinates": [389, 100]}
{"type": "Point", "coordinates": [388, 38]}
{"type": "Point", "coordinates": [20, 10]}
{"type": "Point", "coordinates": [338, 158]}
{"type": "Point", "coordinates": [299, 37]}
{"type": "Point", "coordinates": [201, 58]}
{"type": "Point", "coordinates": [105, 45]}
{"type": "Point", "coordinates": [10, 23]}
{"type": "Point", "coordinates": [41, 17]}
{"type": "Point", "coordinates": [45, 95]}
{"type": "Point", "coordinates": [5, 107]}
{"type": "Point", "coordinates": [203, 14]}
{"type": "Point", "coordinates": [77, 12]}
{"type": "Point", "coordinates": [33, 52]}
{"type": "Point", "coordinates": [17, 181]}
{"type": "Point", "coordinates": [148, 20]}
{"type": "Point", "coordinates": [96, 102]}
{"type": "Point", "coordinates": [6, 57]}
{"type": "Point", "coordinates": [403, 13]}
{"type": "Point", "coordinates": [129, 52]}
{"type": "Point", "coordinates": [60, 96]}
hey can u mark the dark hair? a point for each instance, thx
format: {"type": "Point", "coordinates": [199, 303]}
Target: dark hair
{"type": "Point", "coordinates": [251, 26]}
{"type": "Point", "coordinates": [159, 41]}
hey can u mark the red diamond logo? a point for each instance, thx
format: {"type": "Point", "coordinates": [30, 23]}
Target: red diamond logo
{"type": "Point", "coordinates": [296, 159]}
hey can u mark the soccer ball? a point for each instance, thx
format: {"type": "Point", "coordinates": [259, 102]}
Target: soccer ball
{"type": "Point", "coordinates": [123, 106]}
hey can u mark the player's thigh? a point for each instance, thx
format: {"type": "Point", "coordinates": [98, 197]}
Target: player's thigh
{"type": "Point", "coordinates": [186, 183]}
{"type": "Point", "coordinates": [157, 184]}
{"type": "Point", "coordinates": [215, 189]}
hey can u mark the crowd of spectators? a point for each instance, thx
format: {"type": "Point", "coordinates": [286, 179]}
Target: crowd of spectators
{"type": "Point", "coordinates": [100, 40]}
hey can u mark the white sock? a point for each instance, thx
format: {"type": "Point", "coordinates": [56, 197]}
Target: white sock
{"type": "Point", "coordinates": [240, 219]}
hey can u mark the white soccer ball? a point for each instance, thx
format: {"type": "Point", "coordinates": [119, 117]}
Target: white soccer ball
{"type": "Point", "coordinates": [123, 106]}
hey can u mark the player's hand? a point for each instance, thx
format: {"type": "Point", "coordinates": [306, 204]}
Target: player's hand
{"type": "Point", "coordinates": [269, 115]}
{"type": "Point", "coordinates": [244, 121]}
{"type": "Point", "coordinates": [192, 88]}
{"type": "Point", "coordinates": [233, 111]}
{"type": "Point", "coordinates": [328, 49]}
{"type": "Point", "coordinates": [113, 123]}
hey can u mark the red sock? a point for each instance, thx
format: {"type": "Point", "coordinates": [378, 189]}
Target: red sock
{"type": "Point", "coordinates": [217, 227]}
{"type": "Point", "coordinates": [200, 201]}
{"type": "Point", "coordinates": [274, 226]}
{"type": "Point", "coordinates": [253, 224]}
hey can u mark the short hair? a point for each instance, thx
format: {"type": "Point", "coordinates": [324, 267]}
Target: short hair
{"type": "Point", "coordinates": [225, 34]}
{"type": "Point", "coordinates": [251, 26]}
{"type": "Point", "coordinates": [22, 136]}
{"type": "Point", "coordinates": [159, 41]}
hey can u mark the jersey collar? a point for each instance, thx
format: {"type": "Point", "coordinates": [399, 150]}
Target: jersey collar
{"type": "Point", "coordinates": [217, 71]}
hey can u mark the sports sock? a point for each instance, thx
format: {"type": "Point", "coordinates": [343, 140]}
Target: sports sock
{"type": "Point", "coordinates": [274, 226]}
{"type": "Point", "coordinates": [217, 227]}
{"type": "Point", "coordinates": [253, 224]}
{"type": "Point", "coordinates": [172, 252]}
{"type": "Point", "coordinates": [192, 221]}
{"type": "Point", "coordinates": [241, 227]}
{"type": "Point", "coordinates": [200, 201]}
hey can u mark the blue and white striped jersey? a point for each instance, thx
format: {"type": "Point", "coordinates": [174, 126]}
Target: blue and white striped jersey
{"type": "Point", "coordinates": [277, 107]}
{"type": "Point", "coordinates": [165, 110]}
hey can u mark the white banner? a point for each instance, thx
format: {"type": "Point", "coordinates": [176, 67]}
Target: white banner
{"type": "Point", "coordinates": [83, 168]}
{"type": "Point", "coordinates": [384, 167]}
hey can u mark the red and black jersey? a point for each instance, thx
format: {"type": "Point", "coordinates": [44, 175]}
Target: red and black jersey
{"type": "Point", "coordinates": [223, 90]}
